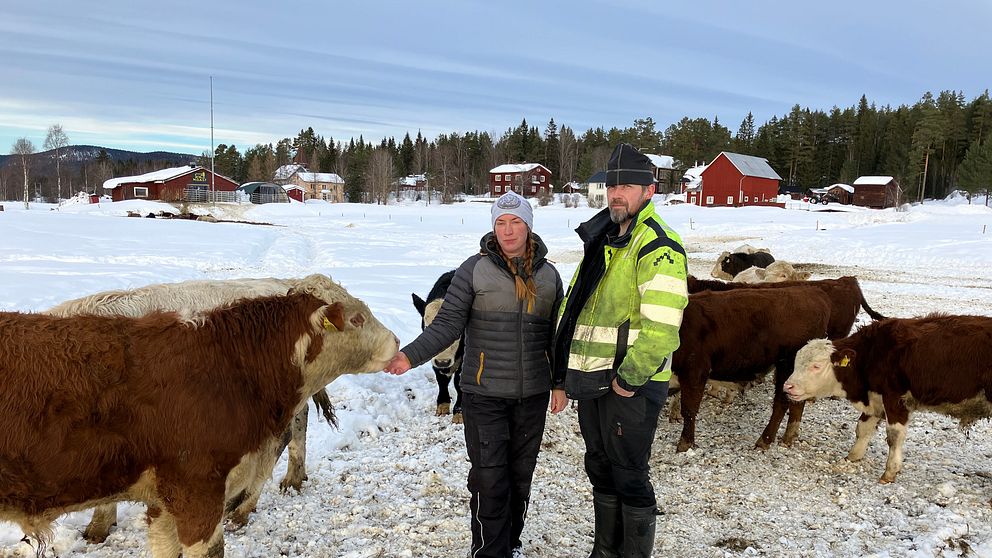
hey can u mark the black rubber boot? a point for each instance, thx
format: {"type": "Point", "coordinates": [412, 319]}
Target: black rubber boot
{"type": "Point", "coordinates": [638, 531]}
{"type": "Point", "coordinates": [609, 526]}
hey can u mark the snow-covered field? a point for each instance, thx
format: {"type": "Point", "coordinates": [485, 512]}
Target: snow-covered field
{"type": "Point", "coordinates": [390, 482]}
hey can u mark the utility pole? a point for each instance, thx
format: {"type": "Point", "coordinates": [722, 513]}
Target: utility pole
{"type": "Point", "coordinates": [213, 188]}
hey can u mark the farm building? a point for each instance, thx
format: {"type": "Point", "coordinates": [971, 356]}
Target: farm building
{"type": "Point", "coordinates": [596, 189]}
{"type": "Point", "coordinates": [189, 183]}
{"type": "Point", "coordinates": [264, 192]}
{"type": "Point", "coordinates": [876, 192]}
{"type": "Point", "coordinates": [733, 180]}
{"type": "Point", "coordinates": [527, 179]}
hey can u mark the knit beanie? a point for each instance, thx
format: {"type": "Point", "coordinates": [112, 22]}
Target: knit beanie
{"type": "Point", "coordinates": [514, 204]}
{"type": "Point", "coordinates": [629, 166]}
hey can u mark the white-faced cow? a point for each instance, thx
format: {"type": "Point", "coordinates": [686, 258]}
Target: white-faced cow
{"type": "Point", "coordinates": [776, 272]}
{"type": "Point", "coordinates": [160, 409]}
{"type": "Point", "coordinates": [730, 264]}
{"type": "Point", "coordinates": [196, 296]}
{"type": "Point", "coordinates": [891, 368]}
{"type": "Point", "coordinates": [448, 363]}
{"type": "Point", "coordinates": [738, 336]}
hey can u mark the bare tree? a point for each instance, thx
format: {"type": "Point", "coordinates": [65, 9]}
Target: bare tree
{"type": "Point", "coordinates": [57, 140]}
{"type": "Point", "coordinates": [380, 174]}
{"type": "Point", "coordinates": [23, 147]}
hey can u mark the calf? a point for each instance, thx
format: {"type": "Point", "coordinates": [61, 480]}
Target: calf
{"type": "Point", "coordinates": [776, 272]}
{"type": "Point", "coordinates": [737, 336]}
{"type": "Point", "coordinates": [730, 264]}
{"type": "Point", "coordinates": [448, 363]}
{"type": "Point", "coordinates": [890, 368]}
{"type": "Point", "coordinates": [160, 409]}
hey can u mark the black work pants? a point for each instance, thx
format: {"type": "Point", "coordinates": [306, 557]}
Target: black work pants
{"type": "Point", "coordinates": [618, 432]}
{"type": "Point", "coordinates": [503, 438]}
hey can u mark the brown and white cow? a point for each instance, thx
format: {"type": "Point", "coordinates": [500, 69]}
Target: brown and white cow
{"type": "Point", "coordinates": [738, 336]}
{"type": "Point", "coordinates": [730, 264]}
{"type": "Point", "coordinates": [196, 296]}
{"type": "Point", "coordinates": [776, 272]}
{"type": "Point", "coordinates": [890, 368]}
{"type": "Point", "coordinates": [160, 409]}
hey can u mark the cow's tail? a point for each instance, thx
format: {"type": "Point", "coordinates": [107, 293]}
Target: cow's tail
{"type": "Point", "coordinates": [323, 403]}
{"type": "Point", "coordinates": [874, 315]}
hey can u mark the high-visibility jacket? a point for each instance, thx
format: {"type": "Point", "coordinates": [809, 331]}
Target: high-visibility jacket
{"type": "Point", "coordinates": [622, 312]}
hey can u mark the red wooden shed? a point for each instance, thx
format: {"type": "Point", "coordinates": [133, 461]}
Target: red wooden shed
{"type": "Point", "coordinates": [733, 180]}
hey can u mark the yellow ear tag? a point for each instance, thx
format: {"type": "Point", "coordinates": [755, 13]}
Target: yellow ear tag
{"type": "Point", "coordinates": [843, 362]}
{"type": "Point", "coordinates": [328, 325]}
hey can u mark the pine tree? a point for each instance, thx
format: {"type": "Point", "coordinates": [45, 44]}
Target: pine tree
{"type": "Point", "coordinates": [975, 171]}
{"type": "Point", "coordinates": [744, 140]}
{"type": "Point", "coordinates": [552, 153]}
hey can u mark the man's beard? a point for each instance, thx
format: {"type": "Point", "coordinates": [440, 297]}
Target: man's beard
{"type": "Point", "coordinates": [619, 215]}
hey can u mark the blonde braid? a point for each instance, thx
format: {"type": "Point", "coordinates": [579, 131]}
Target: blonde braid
{"type": "Point", "coordinates": [525, 290]}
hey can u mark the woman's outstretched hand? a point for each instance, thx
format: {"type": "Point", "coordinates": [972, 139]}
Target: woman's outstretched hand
{"type": "Point", "coordinates": [398, 365]}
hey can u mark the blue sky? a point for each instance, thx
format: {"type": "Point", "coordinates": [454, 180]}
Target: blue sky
{"type": "Point", "coordinates": [133, 74]}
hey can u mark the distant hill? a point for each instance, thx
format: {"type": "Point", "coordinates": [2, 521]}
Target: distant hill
{"type": "Point", "coordinates": [85, 153]}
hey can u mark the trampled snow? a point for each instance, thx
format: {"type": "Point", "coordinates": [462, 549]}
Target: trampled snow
{"type": "Point", "coordinates": [390, 481]}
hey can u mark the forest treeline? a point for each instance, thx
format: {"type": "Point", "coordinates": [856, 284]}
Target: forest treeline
{"type": "Point", "coordinates": [940, 143]}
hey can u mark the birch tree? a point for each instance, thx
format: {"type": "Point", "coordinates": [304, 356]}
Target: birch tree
{"type": "Point", "coordinates": [57, 140]}
{"type": "Point", "coordinates": [22, 148]}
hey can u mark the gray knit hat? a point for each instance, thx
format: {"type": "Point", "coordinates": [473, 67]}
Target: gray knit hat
{"type": "Point", "coordinates": [629, 166]}
{"type": "Point", "coordinates": [514, 204]}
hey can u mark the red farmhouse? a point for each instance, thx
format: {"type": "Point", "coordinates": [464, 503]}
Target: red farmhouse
{"type": "Point", "coordinates": [190, 183]}
{"type": "Point", "coordinates": [527, 179]}
{"type": "Point", "coordinates": [733, 180]}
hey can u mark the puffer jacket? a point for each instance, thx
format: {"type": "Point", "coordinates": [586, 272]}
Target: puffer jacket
{"type": "Point", "coordinates": [507, 348]}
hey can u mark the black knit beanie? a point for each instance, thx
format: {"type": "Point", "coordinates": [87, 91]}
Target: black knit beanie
{"type": "Point", "coordinates": [629, 166]}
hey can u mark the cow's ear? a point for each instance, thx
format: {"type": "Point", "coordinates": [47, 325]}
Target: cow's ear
{"type": "Point", "coordinates": [334, 317]}
{"type": "Point", "coordinates": [844, 358]}
{"type": "Point", "coordinates": [419, 303]}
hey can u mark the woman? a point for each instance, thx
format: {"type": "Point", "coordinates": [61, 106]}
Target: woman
{"type": "Point", "coordinates": [505, 299]}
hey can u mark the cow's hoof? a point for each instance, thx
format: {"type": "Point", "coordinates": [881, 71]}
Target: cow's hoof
{"type": "Point", "coordinates": [295, 484]}
{"type": "Point", "coordinates": [442, 409]}
{"type": "Point", "coordinates": [762, 445]}
{"type": "Point", "coordinates": [886, 480]}
{"type": "Point", "coordinates": [236, 520]}
{"type": "Point", "coordinates": [457, 418]}
{"type": "Point", "coordinates": [96, 536]}
{"type": "Point", "coordinates": [684, 446]}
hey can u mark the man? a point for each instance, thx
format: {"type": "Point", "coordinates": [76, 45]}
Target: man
{"type": "Point", "coordinates": [617, 330]}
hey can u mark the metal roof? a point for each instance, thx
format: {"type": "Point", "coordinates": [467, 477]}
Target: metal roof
{"type": "Point", "coordinates": [752, 166]}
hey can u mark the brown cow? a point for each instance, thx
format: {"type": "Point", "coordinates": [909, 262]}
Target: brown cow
{"type": "Point", "coordinates": [737, 336]}
{"type": "Point", "coordinates": [197, 296]}
{"type": "Point", "coordinates": [890, 368]}
{"type": "Point", "coordinates": [160, 409]}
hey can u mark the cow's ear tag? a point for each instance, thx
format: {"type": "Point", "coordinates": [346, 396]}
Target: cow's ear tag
{"type": "Point", "coordinates": [329, 326]}
{"type": "Point", "coordinates": [843, 362]}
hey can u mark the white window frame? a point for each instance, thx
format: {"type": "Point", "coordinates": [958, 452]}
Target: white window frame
{"type": "Point", "coordinates": [709, 200]}
{"type": "Point", "coordinates": [730, 200]}
{"type": "Point", "coordinates": [542, 178]}
{"type": "Point", "coordinates": [143, 190]}
{"type": "Point", "coordinates": [745, 199]}
{"type": "Point", "coordinates": [499, 188]}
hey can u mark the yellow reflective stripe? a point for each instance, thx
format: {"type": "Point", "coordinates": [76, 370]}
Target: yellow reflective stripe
{"type": "Point", "coordinates": [662, 314]}
{"type": "Point", "coordinates": [664, 283]}
{"type": "Point", "coordinates": [596, 334]}
{"type": "Point", "coordinates": [603, 334]}
{"type": "Point", "coordinates": [589, 364]}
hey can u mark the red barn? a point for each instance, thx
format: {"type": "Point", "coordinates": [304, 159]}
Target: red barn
{"type": "Point", "coordinates": [189, 183]}
{"type": "Point", "coordinates": [527, 179]}
{"type": "Point", "coordinates": [734, 180]}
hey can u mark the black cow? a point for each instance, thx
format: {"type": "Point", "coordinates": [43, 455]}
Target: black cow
{"type": "Point", "coordinates": [448, 363]}
{"type": "Point", "coordinates": [730, 264]}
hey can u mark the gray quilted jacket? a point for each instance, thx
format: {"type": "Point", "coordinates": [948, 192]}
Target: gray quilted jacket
{"type": "Point", "coordinates": [506, 348]}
